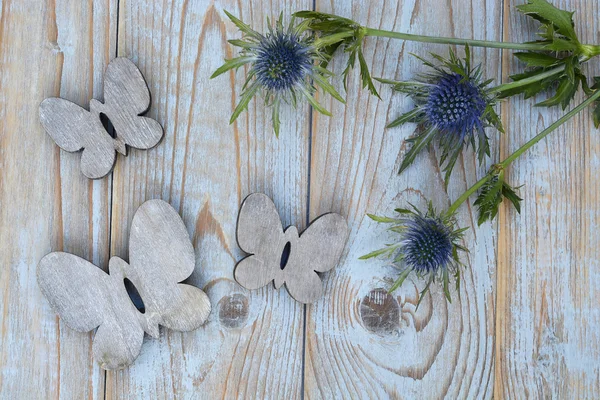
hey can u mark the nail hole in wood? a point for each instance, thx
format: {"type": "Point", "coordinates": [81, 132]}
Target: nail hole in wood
{"type": "Point", "coordinates": [108, 126]}
{"type": "Point", "coordinates": [233, 310]}
{"type": "Point", "coordinates": [380, 312]}
{"type": "Point", "coordinates": [285, 256]}
{"type": "Point", "coordinates": [134, 296]}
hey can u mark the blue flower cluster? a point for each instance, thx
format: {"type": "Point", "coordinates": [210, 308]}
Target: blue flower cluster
{"type": "Point", "coordinates": [427, 244]}
{"type": "Point", "coordinates": [282, 61]}
{"type": "Point", "coordinates": [455, 106]}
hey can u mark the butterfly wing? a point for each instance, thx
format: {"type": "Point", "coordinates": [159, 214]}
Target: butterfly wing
{"type": "Point", "coordinates": [259, 233]}
{"type": "Point", "coordinates": [161, 255]}
{"type": "Point", "coordinates": [85, 297]}
{"type": "Point", "coordinates": [126, 97]}
{"type": "Point", "coordinates": [75, 289]}
{"type": "Point", "coordinates": [72, 128]}
{"type": "Point", "coordinates": [319, 248]}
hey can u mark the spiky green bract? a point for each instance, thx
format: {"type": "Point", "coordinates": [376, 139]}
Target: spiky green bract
{"type": "Point", "coordinates": [284, 65]}
{"type": "Point", "coordinates": [492, 193]}
{"type": "Point", "coordinates": [563, 53]}
{"type": "Point", "coordinates": [341, 33]}
{"type": "Point", "coordinates": [452, 107]}
{"type": "Point", "coordinates": [428, 245]}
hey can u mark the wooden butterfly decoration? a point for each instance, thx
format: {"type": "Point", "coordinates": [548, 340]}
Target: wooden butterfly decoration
{"type": "Point", "coordinates": [160, 256]}
{"type": "Point", "coordinates": [283, 256]}
{"type": "Point", "coordinates": [126, 98]}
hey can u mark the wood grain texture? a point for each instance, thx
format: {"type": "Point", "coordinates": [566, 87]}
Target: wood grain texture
{"type": "Point", "coordinates": [126, 98]}
{"type": "Point", "coordinates": [361, 341]}
{"type": "Point", "coordinates": [54, 48]}
{"type": "Point", "coordinates": [282, 256]}
{"type": "Point", "coordinates": [548, 336]}
{"type": "Point", "coordinates": [86, 298]}
{"type": "Point", "coordinates": [251, 345]}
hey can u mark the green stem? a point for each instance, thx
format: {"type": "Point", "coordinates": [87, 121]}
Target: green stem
{"type": "Point", "coordinates": [447, 40]}
{"type": "Point", "coordinates": [467, 194]}
{"type": "Point", "coordinates": [523, 82]}
{"type": "Point", "coordinates": [523, 149]}
{"type": "Point", "coordinates": [549, 129]}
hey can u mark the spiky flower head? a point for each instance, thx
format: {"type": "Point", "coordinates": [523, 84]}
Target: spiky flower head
{"type": "Point", "coordinates": [453, 107]}
{"type": "Point", "coordinates": [285, 64]}
{"type": "Point", "coordinates": [428, 245]}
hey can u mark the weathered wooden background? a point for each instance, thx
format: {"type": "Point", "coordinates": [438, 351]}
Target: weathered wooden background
{"type": "Point", "coordinates": [528, 320]}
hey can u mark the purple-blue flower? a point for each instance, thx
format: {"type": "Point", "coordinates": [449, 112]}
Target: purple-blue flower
{"type": "Point", "coordinates": [453, 107]}
{"type": "Point", "coordinates": [285, 66]}
{"type": "Point", "coordinates": [428, 244]}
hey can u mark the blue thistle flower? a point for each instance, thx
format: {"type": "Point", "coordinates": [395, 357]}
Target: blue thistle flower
{"type": "Point", "coordinates": [284, 65]}
{"type": "Point", "coordinates": [452, 107]}
{"type": "Point", "coordinates": [428, 245]}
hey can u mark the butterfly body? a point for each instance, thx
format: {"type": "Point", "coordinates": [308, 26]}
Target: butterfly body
{"type": "Point", "coordinates": [126, 97]}
{"type": "Point", "coordinates": [284, 256]}
{"type": "Point", "coordinates": [160, 257]}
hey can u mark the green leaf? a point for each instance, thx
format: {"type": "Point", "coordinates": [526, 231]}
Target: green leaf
{"type": "Point", "coordinates": [564, 94]}
{"type": "Point", "coordinates": [446, 284]}
{"type": "Point", "coordinates": [328, 40]}
{"type": "Point", "coordinates": [367, 82]}
{"type": "Point", "coordinates": [377, 253]}
{"type": "Point", "coordinates": [327, 87]}
{"type": "Point", "coordinates": [275, 117]}
{"type": "Point", "coordinates": [537, 59]}
{"type": "Point", "coordinates": [230, 64]}
{"type": "Point", "coordinates": [418, 144]}
{"type": "Point", "coordinates": [596, 115]}
{"type": "Point", "coordinates": [548, 14]}
{"type": "Point", "coordinates": [242, 43]}
{"type": "Point", "coordinates": [410, 116]}
{"type": "Point", "coordinates": [244, 100]}
{"type": "Point", "coordinates": [243, 27]}
{"type": "Point", "coordinates": [313, 102]}
{"type": "Point", "coordinates": [403, 275]}
{"type": "Point", "coordinates": [509, 193]}
{"type": "Point", "coordinates": [385, 220]}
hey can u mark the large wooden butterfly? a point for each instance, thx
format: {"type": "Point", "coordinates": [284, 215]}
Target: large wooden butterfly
{"type": "Point", "coordinates": [283, 256]}
{"type": "Point", "coordinates": [160, 256]}
{"type": "Point", "coordinates": [126, 98]}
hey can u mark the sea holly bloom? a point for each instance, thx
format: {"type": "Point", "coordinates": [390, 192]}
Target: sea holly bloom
{"type": "Point", "coordinates": [284, 64]}
{"type": "Point", "coordinates": [453, 107]}
{"type": "Point", "coordinates": [428, 245]}
{"type": "Point", "coordinates": [553, 61]}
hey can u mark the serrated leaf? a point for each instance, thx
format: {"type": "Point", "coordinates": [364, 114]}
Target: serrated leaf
{"type": "Point", "coordinates": [564, 94]}
{"type": "Point", "coordinates": [410, 116]}
{"type": "Point", "coordinates": [328, 87]}
{"type": "Point", "coordinates": [401, 278]}
{"type": "Point", "coordinates": [512, 196]}
{"type": "Point", "coordinates": [244, 100]}
{"type": "Point", "coordinates": [385, 220]}
{"type": "Point", "coordinates": [548, 14]}
{"type": "Point", "coordinates": [379, 252]}
{"type": "Point", "coordinates": [596, 115]}
{"type": "Point", "coordinates": [313, 102]}
{"type": "Point", "coordinates": [243, 27]}
{"type": "Point", "coordinates": [537, 59]}
{"type": "Point", "coordinates": [418, 144]}
{"type": "Point", "coordinates": [446, 284]}
{"type": "Point", "coordinates": [367, 82]}
{"type": "Point", "coordinates": [275, 117]}
{"type": "Point", "coordinates": [230, 64]}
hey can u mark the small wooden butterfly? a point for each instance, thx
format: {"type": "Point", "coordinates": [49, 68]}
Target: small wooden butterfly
{"type": "Point", "coordinates": [126, 98]}
{"type": "Point", "coordinates": [160, 256]}
{"type": "Point", "coordinates": [283, 256]}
